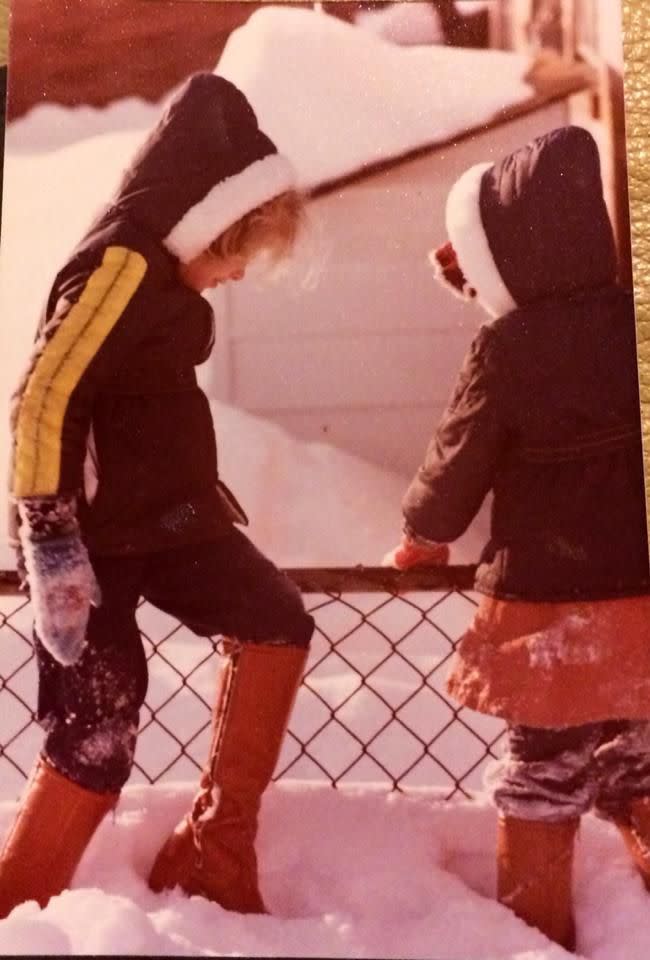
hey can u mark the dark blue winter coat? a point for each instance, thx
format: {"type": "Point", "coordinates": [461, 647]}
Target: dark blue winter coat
{"type": "Point", "coordinates": [545, 413]}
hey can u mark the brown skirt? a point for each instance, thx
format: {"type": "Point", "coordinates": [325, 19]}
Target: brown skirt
{"type": "Point", "coordinates": [556, 664]}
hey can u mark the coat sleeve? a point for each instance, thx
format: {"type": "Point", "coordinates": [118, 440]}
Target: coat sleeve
{"type": "Point", "coordinates": [98, 315]}
{"type": "Point", "coordinates": [462, 458]}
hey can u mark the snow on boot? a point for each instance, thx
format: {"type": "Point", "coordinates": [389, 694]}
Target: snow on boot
{"type": "Point", "coordinates": [534, 874]}
{"type": "Point", "coordinates": [635, 830]}
{"type": "Point", "coordinates": [55, 822]}
{"type": "Point", "coordinates": [212, 851]}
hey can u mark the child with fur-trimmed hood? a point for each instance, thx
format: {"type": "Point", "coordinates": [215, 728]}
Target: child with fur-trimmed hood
{"type": "Point", "coordinates": [545, 415]}
{"type": "Point", "coordinates": [113, 371]}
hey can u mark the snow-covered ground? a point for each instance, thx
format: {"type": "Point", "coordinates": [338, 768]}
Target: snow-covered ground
{"type": "Point", "coordinates": [348, 873]}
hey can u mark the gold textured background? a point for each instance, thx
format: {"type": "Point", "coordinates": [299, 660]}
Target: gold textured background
{"type": "Point", "coordinates": [636, 22]}
{"type": "Point", "coordinates": [4, 29]}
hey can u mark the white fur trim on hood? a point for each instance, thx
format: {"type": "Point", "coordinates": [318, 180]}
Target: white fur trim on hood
{"type": "Point", "coordinates": [468, 238]}
{"type": "Point", "coordinates": [228, 201]}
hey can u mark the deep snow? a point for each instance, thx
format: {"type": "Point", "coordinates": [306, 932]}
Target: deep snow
{"type": "Point", "coordinates": [348, 873]}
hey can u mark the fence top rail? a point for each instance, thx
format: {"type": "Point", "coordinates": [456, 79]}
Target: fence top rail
{"type": "Point", "coordinates": [362, 579]}
{"type": "Point", "coordinates": [339, 580]}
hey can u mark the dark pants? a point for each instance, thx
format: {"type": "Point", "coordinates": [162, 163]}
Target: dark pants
{"type": "Point", "coordinates": [90, 711]}
{"type": "Point", "coordinates": [552, 775]}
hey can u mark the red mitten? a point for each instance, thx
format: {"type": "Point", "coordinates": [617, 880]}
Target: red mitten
{"type": "Point", "coordinates": [413, 553]}
{"type": "Point", "coordinates": [448, 271]}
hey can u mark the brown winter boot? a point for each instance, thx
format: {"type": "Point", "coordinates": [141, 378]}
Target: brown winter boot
{"type": "Point", "coordinates": [53, 827]}
{"type": "Point", "coordinates": [211, 852]}
{"type": "Point", "coordinates": [534, 874]}
{"type": "Point", "coordinates": [635, 830]}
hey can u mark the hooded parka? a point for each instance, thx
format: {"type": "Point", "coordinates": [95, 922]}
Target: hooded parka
{"type": "Point", "coordinates": [545, 415]}
{"type": "Point", "coordinates": [112, 374]}
{"type": "Point", "coordinates": [545, 412]}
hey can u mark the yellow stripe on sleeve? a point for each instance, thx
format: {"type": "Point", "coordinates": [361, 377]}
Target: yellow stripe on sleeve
{"type": "Point", "coordinates": [61, 366]}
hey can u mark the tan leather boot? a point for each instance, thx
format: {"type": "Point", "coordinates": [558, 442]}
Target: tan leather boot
{"type": "Point", "coordinates": [211, 852]}
{"type": "Point", "coordinates": [55, 822]}
{"type": "Point", "coordinates": [635, 830]}
{"type": "Point", "coordinates": [534, 874]}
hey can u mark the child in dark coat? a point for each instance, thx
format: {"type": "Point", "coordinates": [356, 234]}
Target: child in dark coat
{"type": "Point", "coordinates": [112, 376]}
{"type": "Point", "coordinates": [545, 414]}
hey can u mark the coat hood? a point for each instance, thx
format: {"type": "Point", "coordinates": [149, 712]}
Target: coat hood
{"type": "Point", "coordinates": [204, 166]}
{"type": "Point", "coordinates": [534, 224]}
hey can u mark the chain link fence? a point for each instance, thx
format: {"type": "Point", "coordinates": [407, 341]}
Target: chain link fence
{"type": "Point", "coordinates": [372, 706]}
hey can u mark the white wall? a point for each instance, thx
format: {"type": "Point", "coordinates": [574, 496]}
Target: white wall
{"type": "Point", "coordinates": [367, 359]}
{"type": "Point", "coordinates": [610, 31]}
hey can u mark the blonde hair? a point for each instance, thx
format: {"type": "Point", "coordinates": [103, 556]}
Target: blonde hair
{"type": "Point", "coordinates": [271, 228]}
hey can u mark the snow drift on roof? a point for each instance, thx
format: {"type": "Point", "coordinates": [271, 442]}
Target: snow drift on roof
{"type": "Point", "coordinates": [336, 98]}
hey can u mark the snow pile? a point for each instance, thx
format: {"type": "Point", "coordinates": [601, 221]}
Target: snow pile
{"type": "Point", "coordinates": [405, 877]}
{"type": "Point", "coordinates": [310, 504]}
{"type": "Point", "coordinates": [50, 126]}
{"type": "Point", "coordinates": [414, 23]}
{"type": "Point", "coordinates": [407, 24]}
{"type": "Point", "coordinates": [360, 99]}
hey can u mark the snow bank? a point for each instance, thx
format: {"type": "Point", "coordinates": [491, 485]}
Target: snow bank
{"type": "Point", "coordinates": [407, 24]}
{"type": "Point", "coordinates": [360, 99]}
{"type": "Point", "coordinates": [50, 126]}
{"type": "Point", "coordinates": [309, 503]}
{"type": "Point", "coordinates": [406, 876]}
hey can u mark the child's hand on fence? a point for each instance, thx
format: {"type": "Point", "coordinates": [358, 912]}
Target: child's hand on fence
{"type": "Point", "coordinates": [413, 552]}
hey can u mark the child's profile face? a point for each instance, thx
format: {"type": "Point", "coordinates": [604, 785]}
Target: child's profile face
{"type": "Point", "coordinates": [207, 270]}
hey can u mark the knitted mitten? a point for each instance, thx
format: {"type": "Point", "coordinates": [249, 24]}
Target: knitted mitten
{"type": "Point", "coordinates": [61, 581]}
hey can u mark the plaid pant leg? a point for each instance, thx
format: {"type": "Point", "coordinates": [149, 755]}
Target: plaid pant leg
{"type": "Point", "coordinates": [546, 774]}
{"type": "Point", "coordinates": [623, 766]}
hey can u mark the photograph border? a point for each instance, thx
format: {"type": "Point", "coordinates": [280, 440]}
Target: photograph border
{"type": "Point", "coordinates": [390, 578]}
{"type": "Point", "coordinates": [636, 46]}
